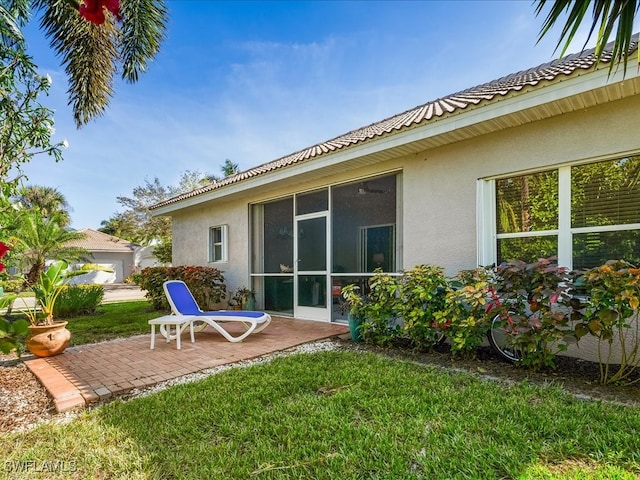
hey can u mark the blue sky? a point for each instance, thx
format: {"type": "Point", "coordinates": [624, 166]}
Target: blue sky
{"type": "Point", "coordinates": [254, 81]}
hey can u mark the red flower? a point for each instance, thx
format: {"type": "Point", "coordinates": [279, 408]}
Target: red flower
{"type": "Point", "coordinates": [4, 248]}
{"type": "Point", "coordinates": [93, 10]}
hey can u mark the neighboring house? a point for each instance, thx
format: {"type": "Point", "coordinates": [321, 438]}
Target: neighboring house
{"type": "Point", "coordinates": [111, 252]}
{"type": "Point", "coordinates": [145, 258]}
{"type": "Point", "coordinates": [533, 164]}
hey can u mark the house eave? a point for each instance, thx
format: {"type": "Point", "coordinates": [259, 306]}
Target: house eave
{"type": "Point", "coordinates": [579, 91]}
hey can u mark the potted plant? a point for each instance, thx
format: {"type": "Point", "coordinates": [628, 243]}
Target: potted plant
{"type": "Point", "coordinates": [355, 315]}
{"type": "Point", "coordinates": [245, 298]}
{"type": "Point", "coordinates": [48, 337]}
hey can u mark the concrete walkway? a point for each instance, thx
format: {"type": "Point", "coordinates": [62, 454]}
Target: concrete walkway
{"type": "Point", "coordinates": [89, 373]}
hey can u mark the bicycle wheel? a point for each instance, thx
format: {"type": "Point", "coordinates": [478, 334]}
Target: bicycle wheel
{"type": "Point", "coordinates": [497, 337]}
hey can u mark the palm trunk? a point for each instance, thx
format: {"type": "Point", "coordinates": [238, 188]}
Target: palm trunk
{"type": "Point", "coordinates": [34, 273]}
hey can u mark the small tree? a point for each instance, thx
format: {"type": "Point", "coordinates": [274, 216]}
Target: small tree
{"type": "Point", "coordinates": [41, 238]}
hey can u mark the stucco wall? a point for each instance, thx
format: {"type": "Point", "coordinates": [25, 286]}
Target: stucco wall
{"type": "Point", "coordinates": [440, 186]}
{"type": "Point", "coordinates": [191, 239]}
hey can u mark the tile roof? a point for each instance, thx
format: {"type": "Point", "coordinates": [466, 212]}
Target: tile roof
{"type": "Point", "coordinates": [452, 104]}
{"type": "Point", "coordinates": [95, 241]}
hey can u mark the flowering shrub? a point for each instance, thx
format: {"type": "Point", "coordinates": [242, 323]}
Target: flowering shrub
{"type": "Point", "coordinates": [465, 316]}
{"type": "Point", "coordinates": [4, 248]}
{"type": "Point", "coordinates": [206, 284]}
{"type": "Point", "coordinates": [533, 305]}
{"type": "Point", "coordinates": [611, 315]}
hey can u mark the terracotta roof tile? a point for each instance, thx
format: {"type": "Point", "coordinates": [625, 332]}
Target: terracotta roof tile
{"type": "Point", "coordinates": [95, 241]}
{"type": "Point", "coordinates": [452, 104]}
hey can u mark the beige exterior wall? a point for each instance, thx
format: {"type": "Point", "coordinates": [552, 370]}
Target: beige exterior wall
{"type": "Point", "coordinates": [191, 239]}
{"type": "Point", "coordinates": [440, 186]}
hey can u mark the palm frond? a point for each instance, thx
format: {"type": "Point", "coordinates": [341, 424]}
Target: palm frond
{"type": "Point", "coordinates": [12, 17]}
{"type": "Point", "coordinates": [88, 55]}
{"type": "Point", "coordinates": [91, 54]}
{"type": "Point", "coordinates": [143, 30]}
{"type": "Point", "coordinates": [607, 16]}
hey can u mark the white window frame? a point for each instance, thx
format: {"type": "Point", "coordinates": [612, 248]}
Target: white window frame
{"type": "Point", "coordinates": [487, 235]}
{"type": "Point", "coordinates": [224, 229]}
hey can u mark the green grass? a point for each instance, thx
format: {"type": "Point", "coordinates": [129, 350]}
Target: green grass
{"type": "Point", "coordinates": [339, 415]}
{"type": "Point", "coordinates": [112, 320]}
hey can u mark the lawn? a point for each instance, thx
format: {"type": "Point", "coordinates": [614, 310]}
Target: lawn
{"type": "Point", "coordinates": [337, 415]}
{"type": "Point", "coordinates": [112, 320]}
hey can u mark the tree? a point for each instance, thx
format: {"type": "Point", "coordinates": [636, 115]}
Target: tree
{"type": "Point", "coordinates": [95, 39]}
{"type": "Point", "coordinates": [136, 223]}
{"type": "Point", "coordinates": [191, 180]}
{"type": "Point", "coordinates": [26, 126]}
{"type": "Point", "coordinates": [229, 168]}
{"type": "Point", "coordinates": [46, 199]}
{"type": "Point", "coordinates": [41, 238]}
{"type": "Point", "coordinates": [146, 228]}
{"type": "Point", "coordinates": [607, 15]}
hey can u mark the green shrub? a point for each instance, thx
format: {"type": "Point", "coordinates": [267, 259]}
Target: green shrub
{"type": "Point", "coordinates": [77, 300]}
{"type": "Point", "coordinates": [206, 284]}
{"type": "Point", "coordinates": [133, 279]}
{"type": "Point", "coordinates": [464, 318]}
{"type": "Point", "coordinates": [12, 285]}
{"type": "Point", "coordinates": [379, 310]}
{"type": "Point", "coordinates": [423, 291]}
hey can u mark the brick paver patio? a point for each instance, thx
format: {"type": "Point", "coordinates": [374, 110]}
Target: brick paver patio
{"type": "Point", "coordinates": [88, 373]}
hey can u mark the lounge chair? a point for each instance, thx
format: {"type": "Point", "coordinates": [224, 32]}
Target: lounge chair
{"type": "Point", "coordinates": [184, 305]}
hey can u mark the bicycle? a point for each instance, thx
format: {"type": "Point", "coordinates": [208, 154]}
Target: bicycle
{"type": "Point", "coordinates": [505, 326]}
{"type": "Point", "coordinates": [498, 335]}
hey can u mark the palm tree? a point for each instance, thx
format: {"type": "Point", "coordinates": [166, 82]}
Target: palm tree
{"type": "Point", "coordinates": [607, 15]}
{"type": "Point", "coordinates": [229, 168]}
{"type": "Point", "coordinates": [47, 199]}
{"type": "Point", "coordinates": [94, 39]}
{"type": "Point", "coordinates": [43, 238]}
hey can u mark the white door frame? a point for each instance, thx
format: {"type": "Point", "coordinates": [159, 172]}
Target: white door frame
{"type": "Point", "coordinates": [318, 312]}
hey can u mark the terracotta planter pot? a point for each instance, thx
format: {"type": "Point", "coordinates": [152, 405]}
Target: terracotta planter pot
{"type": "Point", "coordinates": [48, 340]}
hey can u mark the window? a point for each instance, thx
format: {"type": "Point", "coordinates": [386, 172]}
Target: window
{"type": "Point", "coordinates": [527, 216]}
{"type": "Point", "coordinates": [218, 244]}
{"type": "Point", "coordinates": [605, 212]}
{"type": "Point", "coordinates": [583, 214]}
